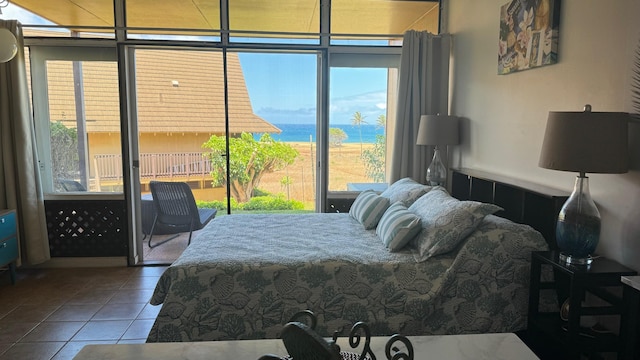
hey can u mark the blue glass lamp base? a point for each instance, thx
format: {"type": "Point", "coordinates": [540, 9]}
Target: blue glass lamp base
{"type": "Point", "coordinates": [578, 226]}
{"type": "Point", "coordinates": [577, 240]}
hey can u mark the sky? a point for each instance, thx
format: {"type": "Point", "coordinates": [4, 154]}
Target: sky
{"type": "Point", "coordinates": [282, 87]}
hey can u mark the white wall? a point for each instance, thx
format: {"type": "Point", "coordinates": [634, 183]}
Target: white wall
{"type": "Point", "coordinates": [504, 116]}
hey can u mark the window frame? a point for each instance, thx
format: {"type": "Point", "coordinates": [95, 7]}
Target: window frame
{"type": "Point", "coordinates": [365, 57]}
{"type": "Point", "coordinates": [39, 55]}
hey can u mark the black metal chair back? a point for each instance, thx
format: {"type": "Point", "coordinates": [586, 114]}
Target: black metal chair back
{"type": "Point", "coordinates": [176, 207]}
{"type": "Point", "coordinates": [71, 185]}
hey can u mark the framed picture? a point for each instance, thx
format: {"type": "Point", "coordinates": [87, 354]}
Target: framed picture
{"type": "Point", "coordinates": [528, 35]}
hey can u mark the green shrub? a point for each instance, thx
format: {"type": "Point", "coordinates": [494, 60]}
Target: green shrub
{"type": "Point", "coordinates": [260, 192]}
{"type": "Point", "coordinates": [277, 202]}
{"type": "Point", "coordinates": [216, 204]}
{"type": "Point", "coordinates": [269, 202]}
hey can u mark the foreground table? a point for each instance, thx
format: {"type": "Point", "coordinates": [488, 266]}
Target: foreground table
{"type": "Point", "coordinates": [451, 347]}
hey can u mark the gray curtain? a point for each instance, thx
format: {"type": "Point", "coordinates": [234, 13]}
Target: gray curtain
{"type": "Point", "coordinates": [423, 90]}
{"type": "Point", "coordinates": [19, 174]}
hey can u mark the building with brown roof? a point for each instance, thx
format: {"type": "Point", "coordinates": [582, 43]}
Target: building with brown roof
{"type": "Point", "coordinates": [180, 102]}
{"type": "Point", "coordinates": [178, 92]}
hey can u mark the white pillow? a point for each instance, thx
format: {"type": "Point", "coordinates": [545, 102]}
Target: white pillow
{"type": "Point", "coordinates": [368, 208]}
{"type": "Point", "coordinates": [406, 191]}
{"type": "Point", "coordinates": [446, 221]}
{"type": "Point", "coordinates": [398, 226]}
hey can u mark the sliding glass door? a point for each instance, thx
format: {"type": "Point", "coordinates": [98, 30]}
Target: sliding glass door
{"type": "Point", "coordinates": [195, 110]}
{"type": "Point", "coordinates": [76, 106]}
{"type": "Point", "coordinates": [178, 105]}
{"type": "Point", "coordinates": [362, 100]}
{"type": "Point", "coordinates": [77, 112]}
{"type": "Point", "coordinates": [275, 115]}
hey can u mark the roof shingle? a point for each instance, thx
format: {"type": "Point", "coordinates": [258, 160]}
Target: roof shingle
{"type": "Point", "coordinates": [177, 91]}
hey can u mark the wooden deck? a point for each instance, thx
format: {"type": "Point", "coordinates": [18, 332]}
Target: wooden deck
{"type": "Point", "coordinates": [193, 168]}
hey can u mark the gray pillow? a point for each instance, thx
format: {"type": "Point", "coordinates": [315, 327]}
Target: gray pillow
{"type": "Point", "coordinates": [398, 226]}
{"type": "Point", "coordinates": [406, 191]}
{"type": "Point", "coordinates": [446, 222]}
{"type": "Point", "coordinates": [368, 208]}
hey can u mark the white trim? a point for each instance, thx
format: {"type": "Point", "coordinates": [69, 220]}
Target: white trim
{"type": "Point", "coordinates": [88, 195]}
{"type": "Point", "coordinates": [39, 57]}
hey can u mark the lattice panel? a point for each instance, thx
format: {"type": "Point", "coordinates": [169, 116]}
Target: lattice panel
{"type": "Point", "coordinates": [87, 228]}
{"type": "Point", "coordinates": [338, 204]}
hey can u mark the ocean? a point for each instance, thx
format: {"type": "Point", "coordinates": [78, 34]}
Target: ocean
{"type": "Point", "coordinates": [301, 132]}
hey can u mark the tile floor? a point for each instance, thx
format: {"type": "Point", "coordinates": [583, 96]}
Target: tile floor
{"type": "Point", "coordinates": [165, 253]}
{"type": "Point", "coordinates": [53, 313]}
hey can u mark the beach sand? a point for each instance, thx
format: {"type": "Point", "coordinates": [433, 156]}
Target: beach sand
{"type": "Point", "coordinates": [345, 166]}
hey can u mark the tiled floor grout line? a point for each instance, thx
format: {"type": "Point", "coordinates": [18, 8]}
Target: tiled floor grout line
{"type": "Point", "coordinates": [130, 317]}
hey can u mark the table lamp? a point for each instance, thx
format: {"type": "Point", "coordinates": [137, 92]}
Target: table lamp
{"type": "Point", "coordinates": [583, 142]}
{"type": "Point", "coordinates": [437, 130]}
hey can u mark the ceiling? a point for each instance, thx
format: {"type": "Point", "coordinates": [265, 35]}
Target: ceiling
{"type": "Point", "coordinates": [295, 16]}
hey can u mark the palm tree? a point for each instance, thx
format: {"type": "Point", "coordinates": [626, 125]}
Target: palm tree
{"type": "Point", "coordinates": [358, 120]}
{"type": "Point", "coordinates": [381, 121]}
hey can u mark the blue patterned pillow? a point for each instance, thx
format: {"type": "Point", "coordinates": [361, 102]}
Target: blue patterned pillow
{"type": "Point", "coordinates": [398, 226]}
{"type": "Point", "coordinates": [446, 221]}
{"type": "Point", "coordinates": [368, 208]}
{"type": "Point", "coordinates": [406, 191]}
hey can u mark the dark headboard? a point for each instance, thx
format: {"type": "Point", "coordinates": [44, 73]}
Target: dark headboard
{"type": "Point", "coordinates": [523, 202]}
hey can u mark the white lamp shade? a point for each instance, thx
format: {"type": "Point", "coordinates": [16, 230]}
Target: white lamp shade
{"type": "Point", "coordinates": [438, 130]}
{"type": "Point", "coordinates": [8, 45]}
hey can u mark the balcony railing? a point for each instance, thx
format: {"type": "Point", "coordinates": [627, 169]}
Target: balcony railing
{"type": "Point", "coordinates": [154, 166]}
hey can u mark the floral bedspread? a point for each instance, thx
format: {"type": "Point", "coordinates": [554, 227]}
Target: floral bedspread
{"type": "Point", "coordinates": [244, 276]}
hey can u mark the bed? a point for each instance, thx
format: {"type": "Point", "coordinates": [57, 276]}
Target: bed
{"type": "Point", "coordinates": [237, 281]}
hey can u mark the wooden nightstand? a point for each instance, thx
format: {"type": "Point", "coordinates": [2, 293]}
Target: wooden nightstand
{"type": "Point", "coordinates": [630, 328]}
{"type": "Point", "coordinates": [8, 241]}
{"type": "Point", "coordinates": [598, 279]}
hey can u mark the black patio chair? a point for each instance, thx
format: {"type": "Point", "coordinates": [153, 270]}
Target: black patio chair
{"type": "Point", "coordinates": [176, 208]}
{"type": "Point", "coordinates": [71, 185]}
